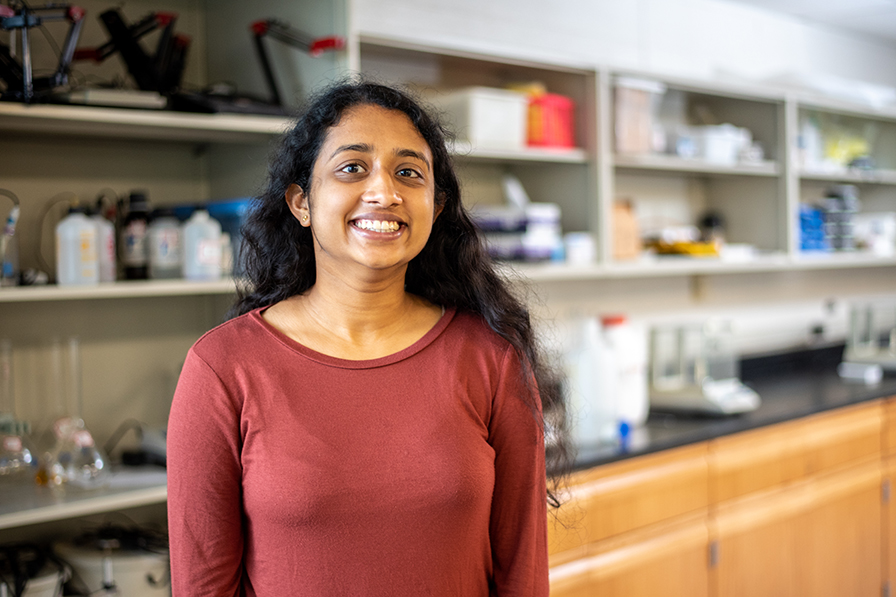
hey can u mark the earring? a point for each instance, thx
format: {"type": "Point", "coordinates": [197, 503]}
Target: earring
{"type": "Point", "coordinates": [304, 218]}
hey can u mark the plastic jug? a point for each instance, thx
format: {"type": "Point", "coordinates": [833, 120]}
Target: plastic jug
{"type": "Point", "coordinates": [628, 342]}
{"type": "Point", "coordinates": [77, 258]}
{"type": "Point", "coordinates": [202, 247]}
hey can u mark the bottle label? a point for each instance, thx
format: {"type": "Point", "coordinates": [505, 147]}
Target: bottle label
{"type": "Point", "coordinates": [208, 252]}
{"type": "Point", "coordinates": [12, 443]}
{"type": "Point", "coordinates": [165, 248]}
{"type": "Point", "coordinates": [133, 246]}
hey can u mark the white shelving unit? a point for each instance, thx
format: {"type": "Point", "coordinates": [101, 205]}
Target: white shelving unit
{"type": "Point", "coordinates": [116, 290]}
{"type": "Point", "coordinates": [30, 504]}
{"type": "Point", "coordinates": [88, 121]}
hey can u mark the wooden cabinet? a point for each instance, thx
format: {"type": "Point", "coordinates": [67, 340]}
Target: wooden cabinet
{"type": "Point", "coordinates": [790, 509]}
{"type": "Point", "coordinates": [665, 559]}
{"type": "Point", "coordinates": [814, 537]}
{"type": "Point", "coordinates": [628, 495]}
{"type": "Point", "coordinates": [635, 527]}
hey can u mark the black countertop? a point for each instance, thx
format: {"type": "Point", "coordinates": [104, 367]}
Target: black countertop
{"type": "Point", "coordinates": [791, 386]}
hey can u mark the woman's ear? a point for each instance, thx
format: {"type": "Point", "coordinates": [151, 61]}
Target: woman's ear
{"type": "Point", "coordinates": [298, 204]}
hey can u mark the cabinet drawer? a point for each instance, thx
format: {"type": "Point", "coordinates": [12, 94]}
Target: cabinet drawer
{"type": "Point", "coordinates": [630, 494]}
{"type": "Point", "coordinates": [755, 460]}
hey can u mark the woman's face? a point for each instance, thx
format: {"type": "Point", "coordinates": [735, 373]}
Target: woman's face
{"type": "Point", "coordinates": [371, 202]}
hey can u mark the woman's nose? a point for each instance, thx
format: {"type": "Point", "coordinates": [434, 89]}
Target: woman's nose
{"type": "Point", "coordinates": [381, 190]}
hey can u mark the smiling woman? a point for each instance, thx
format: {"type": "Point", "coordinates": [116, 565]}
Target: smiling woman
{"type": "Point", "coordinates": [374, 408]}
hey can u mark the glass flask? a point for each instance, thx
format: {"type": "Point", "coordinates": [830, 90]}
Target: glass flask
{"type": "Point", "coordinates": [70, 457]}
{"type": "Point", "coordinates": [17, 459]}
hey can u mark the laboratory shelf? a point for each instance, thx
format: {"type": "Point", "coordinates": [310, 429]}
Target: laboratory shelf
{"type": "Point", "coordinates": [22, 505]}
{"type": "Point", "coordinates": [129, 289]}
{"type": "Point", "coordinates": [653, 266]}
{"type": "Point", "coordinates": [558, 155]}
{"type": "Point", "coordinates": [878, 176]}
{"type": "Point", "coordinates": [124, 123]}
{"type": "Point", "coordinates": [670, 163]}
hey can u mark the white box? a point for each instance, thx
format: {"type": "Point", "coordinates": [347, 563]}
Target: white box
{"type": "Point", "coordinates": [486, 117]}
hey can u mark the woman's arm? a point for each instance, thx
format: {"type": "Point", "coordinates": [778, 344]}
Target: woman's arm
{"type": "Point", "coordinates": [518, 526]}
{"type": "Point", "coordinates": [205, 524]}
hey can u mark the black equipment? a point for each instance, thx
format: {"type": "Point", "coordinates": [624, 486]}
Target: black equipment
{"type": "Point", "coordinates": [160, 72]}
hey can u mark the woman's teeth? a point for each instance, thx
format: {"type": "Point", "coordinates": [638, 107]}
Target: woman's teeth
{"type": "Point", "coordinates": [378, 225]}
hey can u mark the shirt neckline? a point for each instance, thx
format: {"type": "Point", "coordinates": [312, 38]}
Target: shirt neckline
{"type": "Point", "coordinates": [332, 361]}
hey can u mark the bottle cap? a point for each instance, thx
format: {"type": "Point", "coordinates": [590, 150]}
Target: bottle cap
{"type": "Point", "coordinates": [613, 319]}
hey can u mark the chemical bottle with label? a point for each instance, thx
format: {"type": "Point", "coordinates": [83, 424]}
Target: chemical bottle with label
{"type": "Point", "coordinates": [134, 246]}
{"type": "Point", "coordinates": [77, 257]}
{"type": "Point", "coordinates": [628, 343]}
{"type": "Point", "coordinates": [202, 247]}
{"type": "Point", "coordinates": [105, 236]}
{"type": "Point", "coordinates": [165, 245]}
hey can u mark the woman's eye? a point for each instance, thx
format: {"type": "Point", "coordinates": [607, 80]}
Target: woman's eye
{"type": "Point", "coordinates": [351, 169]}
{"type": "Point", "coordinates": [409, 173]}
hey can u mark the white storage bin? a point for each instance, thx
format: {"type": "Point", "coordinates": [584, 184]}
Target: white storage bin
{"type": "Point", "coordinates": [722, 144]}
{"type": "Point", "coordinates": [488, 118]}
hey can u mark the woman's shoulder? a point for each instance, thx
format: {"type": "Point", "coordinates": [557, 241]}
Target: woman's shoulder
{"type": "Point", "coordinates": [473, 330]}
{"type": "Point", "coordinates": [234, 335]}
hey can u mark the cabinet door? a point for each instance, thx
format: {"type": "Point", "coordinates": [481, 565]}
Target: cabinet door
{"type": "Point", "coordinates": [819, 537]}
{"type": "Point", "coordinates": [671, 561]}
{"type": "Point", "coordinates": [889, 523]}
{"type": "Point", "coordinates": [840, 536]}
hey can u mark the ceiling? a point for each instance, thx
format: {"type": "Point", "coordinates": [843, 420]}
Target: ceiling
{"type": "Point", "coordinates": [873, 17]}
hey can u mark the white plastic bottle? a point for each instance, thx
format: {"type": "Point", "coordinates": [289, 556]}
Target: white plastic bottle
{"type": "Point", "coordinates": [105, 237]}
{"type": "Point", "coordinates": [589, 386]}
{"type": "Point", "coordinates": [165, 246]}
{"type": "Point", "coordinates": [77, 257]}
{"type": "Point", "coordinates": [628, 343]}
{"type": "Point", "coordinates": [202, 247]}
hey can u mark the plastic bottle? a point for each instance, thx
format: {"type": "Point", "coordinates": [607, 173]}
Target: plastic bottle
{"type": "Point", "coordinates": [202, 247]}
{"type": "Point", "coordinates": [134, 246]}
{"type": "Point", "coordinates": [589, 386]}
{"type": "Point", "coordinates": [165, 245]}
{"type": "Point", "coordinates": [105, 235]}
{"type": "Point", "coordinates": [77, 257]}
{"type": "Point", "coordinates": [628, 343]}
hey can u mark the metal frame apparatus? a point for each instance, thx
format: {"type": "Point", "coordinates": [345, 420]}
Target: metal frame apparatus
{"type": "Point", "coordinates": [21, 85]}
{"type": "Point", "coordinates": [284, 33]}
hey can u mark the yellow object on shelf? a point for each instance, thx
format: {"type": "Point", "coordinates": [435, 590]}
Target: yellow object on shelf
{"type": "Point", "coordinates": [693, 249]}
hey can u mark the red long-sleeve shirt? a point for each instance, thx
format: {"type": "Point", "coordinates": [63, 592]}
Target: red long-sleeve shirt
{"type": "Point", "coordinates": [294, 473]}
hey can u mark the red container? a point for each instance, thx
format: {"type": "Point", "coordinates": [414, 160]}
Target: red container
{"type": "Point", "coordinates": [551, 119]}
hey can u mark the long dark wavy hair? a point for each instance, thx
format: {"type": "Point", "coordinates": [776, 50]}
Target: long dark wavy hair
{"type": "Point", "coordinates": [452, 270]}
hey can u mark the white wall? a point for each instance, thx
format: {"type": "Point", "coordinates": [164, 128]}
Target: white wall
{"type": "Point", "coordinates": [693, 38]}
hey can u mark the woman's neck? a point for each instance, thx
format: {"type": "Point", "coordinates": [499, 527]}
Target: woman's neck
{"type": "Point", "coordinates": [355, 319]}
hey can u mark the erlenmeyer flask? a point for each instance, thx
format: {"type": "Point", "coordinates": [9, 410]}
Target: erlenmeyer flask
{"type": "Point", "coordinates": [72, 457]}
{"type": "Point", "coordinates": [17, 460]}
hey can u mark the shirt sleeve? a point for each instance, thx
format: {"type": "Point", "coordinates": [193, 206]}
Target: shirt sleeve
{"type": "Point", "coordinates": [518, 525]}
{"type": "Point", "coordinates": [204, 485]}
